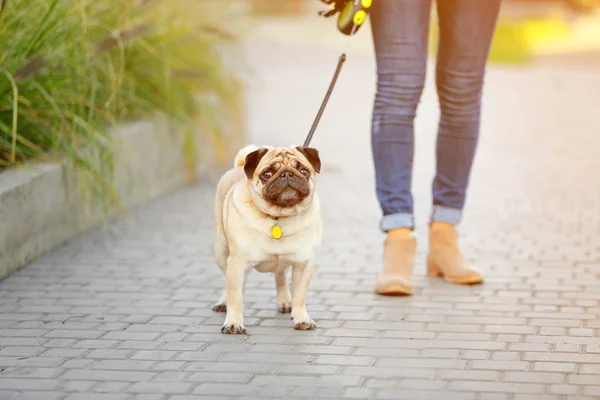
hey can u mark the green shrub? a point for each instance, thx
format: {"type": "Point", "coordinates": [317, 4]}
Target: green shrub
{"type": "Point", "coordinates": [72, 69]}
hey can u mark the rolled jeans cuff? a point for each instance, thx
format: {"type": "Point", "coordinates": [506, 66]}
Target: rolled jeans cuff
{"type": "Point", "coordinates": [446, 214]}
{"type": "Point", "coordinates": [395, 221]}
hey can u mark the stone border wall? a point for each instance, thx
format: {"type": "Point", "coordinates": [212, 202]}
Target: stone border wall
{"type": "Point", "coordinates": [41, 207]}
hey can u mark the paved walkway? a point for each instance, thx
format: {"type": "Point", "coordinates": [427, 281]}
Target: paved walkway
{"type": "Point", "coordinates": [129, 316]}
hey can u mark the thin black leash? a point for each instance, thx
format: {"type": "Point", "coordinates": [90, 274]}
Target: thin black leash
{"type": "Point", "coordinates": [325, 100]}
{"type": "Point", "coordinates": [341, 61]}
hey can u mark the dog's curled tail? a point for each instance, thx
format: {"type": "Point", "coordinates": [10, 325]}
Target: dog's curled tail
{"type": "Point", "coordinates": [240, 158]}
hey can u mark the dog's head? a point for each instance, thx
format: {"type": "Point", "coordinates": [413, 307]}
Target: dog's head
{"type": "Point", "coordinates": [283, 178]}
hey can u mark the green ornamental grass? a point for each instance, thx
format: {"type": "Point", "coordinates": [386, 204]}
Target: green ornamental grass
{"type": "Point", "coordinates": [72, 69]}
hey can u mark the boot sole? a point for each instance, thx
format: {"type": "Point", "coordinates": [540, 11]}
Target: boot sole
{"type": "Point", "coordinates": [394, 289]}
{"type": "Point", "coordinates": [435, 272]}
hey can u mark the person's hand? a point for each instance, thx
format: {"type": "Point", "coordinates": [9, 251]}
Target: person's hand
{"type": "Point", "coordinates": [338, 6]}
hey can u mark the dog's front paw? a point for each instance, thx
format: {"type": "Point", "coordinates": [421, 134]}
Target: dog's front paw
{"type": "Point", "coordinates": [285, 308]}
{"type": "Point", "coordinates": [233, 329]}
{"type": "Point", "coordinates": [307, 325]}
{"type": "Point", "coordinates": [302, 321]}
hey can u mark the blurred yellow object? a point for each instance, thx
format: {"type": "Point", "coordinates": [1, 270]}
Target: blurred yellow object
{"type": "Point", "coordinates": [521, 40]}
{"type": "Point", "coordinates": [518, 40]}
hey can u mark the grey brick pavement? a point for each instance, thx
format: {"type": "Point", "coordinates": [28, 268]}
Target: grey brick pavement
{"type": "Point", "coordinates": [129, 316]}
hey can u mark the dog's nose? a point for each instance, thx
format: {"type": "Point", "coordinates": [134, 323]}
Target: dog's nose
{"type": "Point", "coordinates": [286, 174]}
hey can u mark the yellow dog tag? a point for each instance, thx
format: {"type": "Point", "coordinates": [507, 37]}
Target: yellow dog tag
{"type": "Point", "coordinates": [276, 232]}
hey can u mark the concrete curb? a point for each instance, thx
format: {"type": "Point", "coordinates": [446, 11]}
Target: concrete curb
{"type": "Point", "coordinates": [41, 205]}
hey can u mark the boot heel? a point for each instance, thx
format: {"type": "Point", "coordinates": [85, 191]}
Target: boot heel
{"type": "Point", "coordinates": [433, 270]}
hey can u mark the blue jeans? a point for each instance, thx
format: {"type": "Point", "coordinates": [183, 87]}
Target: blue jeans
{"type": "Point", "coordinates": [400, 34]}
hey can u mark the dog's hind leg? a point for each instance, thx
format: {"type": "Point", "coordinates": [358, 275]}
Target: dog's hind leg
{"type": "Point", "coordinates": [221, 253]}
{"type": "Point", "coordinates": [284, 299]}
{"type": "Point", "coordinates": [221, 246]}
{"type": "Point", "coordinates": [236, 275]}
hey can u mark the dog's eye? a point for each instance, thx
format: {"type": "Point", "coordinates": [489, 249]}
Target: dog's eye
{"type": "Point", "coordinates": [266, 175]}
{"type": "Point", "coordinates": [304, 171]}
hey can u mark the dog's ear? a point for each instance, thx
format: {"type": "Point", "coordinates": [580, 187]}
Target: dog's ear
{"type": "Point", "coordinates": [252, 161]}
{"type": "Point", "coordinates": [312, 155]}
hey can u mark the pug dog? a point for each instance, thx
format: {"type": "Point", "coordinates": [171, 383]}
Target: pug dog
{"type": "Point", "coordinates": [268, 218]}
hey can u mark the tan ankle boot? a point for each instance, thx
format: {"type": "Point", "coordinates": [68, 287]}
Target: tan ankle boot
{"type": "Point", "coordinates": [446, 260]}
{"type": "Point", "coordinates": [398, 263]}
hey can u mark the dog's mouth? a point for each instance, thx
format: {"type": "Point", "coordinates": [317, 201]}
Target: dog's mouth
{"type": "Point", "coordinates": [286, 189]}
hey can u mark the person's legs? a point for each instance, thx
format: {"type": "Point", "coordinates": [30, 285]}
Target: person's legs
{"type": "Point", "coordinates": [466, 31]}
{"type": "Point", "coordinates": [400, 35]}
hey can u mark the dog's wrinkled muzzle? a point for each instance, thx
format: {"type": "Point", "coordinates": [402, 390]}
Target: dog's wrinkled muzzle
{"type": "Point", "coordinates": [284, 180]}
